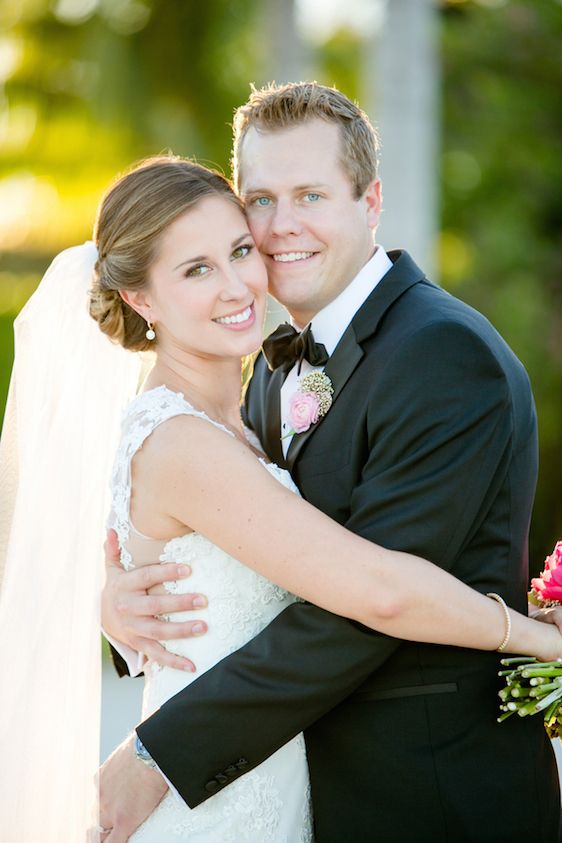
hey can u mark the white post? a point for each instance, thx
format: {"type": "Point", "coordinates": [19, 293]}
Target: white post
{"type": "Point", "coordinates": [403, 69]}
{"type": "Point", "coordinates": [285, 51]}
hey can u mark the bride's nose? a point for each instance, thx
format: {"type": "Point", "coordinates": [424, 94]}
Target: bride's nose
{"type": "Point", "coordinates": [234, 286]}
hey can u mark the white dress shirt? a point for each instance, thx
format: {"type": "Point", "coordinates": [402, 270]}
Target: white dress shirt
{"type": "Point", "coordinates": [329, 325]}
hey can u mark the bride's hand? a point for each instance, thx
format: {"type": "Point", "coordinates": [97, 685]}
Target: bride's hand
{"type": "Point", "coordinates": [552, 615]}
{"type": "Point", "coordinates": [129, 612]}
{"type": "Point", "coordinates": [549, 642]}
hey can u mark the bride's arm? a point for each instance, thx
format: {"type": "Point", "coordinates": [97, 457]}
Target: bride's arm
{"type": "Point", "coordinates": [206, 480]}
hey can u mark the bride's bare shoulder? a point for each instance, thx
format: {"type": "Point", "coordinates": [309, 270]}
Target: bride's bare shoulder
{"type": "Point", "coordinates": [179, 460]}
{"type": "Point", "coordinates": [193, 442]}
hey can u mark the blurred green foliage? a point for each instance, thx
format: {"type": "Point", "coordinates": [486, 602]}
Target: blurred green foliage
{"type": "Point", "coordinates": [88, 86]}
{"type": "Point", "coordinates": [502, 201]}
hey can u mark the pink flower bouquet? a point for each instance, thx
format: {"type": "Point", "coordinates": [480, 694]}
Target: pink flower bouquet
{"type": "Point", "coordinates": [547, 588]}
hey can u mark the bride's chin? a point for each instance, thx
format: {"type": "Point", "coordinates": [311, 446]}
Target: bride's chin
{"type": "Point", "coordinates": [252, 344]}
{"type": "Point", "coordinates": [251, 348]}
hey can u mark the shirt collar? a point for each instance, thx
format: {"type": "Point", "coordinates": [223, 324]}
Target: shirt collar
{"type": "Point", "coordinates": [330, 323]}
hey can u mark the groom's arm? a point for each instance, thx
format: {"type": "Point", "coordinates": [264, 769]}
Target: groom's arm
{"type": "Point", "coordinates": [440, 450]}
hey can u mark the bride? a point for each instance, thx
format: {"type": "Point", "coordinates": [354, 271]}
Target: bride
{"type": "Point", "coordinates": [176, 271]}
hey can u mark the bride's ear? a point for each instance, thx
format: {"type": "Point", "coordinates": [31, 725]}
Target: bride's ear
{"type": "Point", "coordinates": [137, 299]}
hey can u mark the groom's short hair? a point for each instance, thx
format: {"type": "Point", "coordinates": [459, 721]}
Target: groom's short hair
{"type": "Point", "coordinates": [277, 107]}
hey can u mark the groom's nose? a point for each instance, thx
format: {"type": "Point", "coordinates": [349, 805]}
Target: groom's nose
{"type": "Point", "coordinates": [285, 219]}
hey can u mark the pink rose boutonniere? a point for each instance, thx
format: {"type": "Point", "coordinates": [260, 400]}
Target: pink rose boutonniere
{"type": "Point", "coordinates": [310, 402]}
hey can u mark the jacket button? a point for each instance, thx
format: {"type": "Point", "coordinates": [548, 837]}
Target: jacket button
{"type": "Point", "coordinates": [231, 771]}
{"type": "Point", "coordinates": [221, 778]}
{"type": "Point", "coordinates": [241, 763]}
{"type": "Point", "coordinates": [212, 786]}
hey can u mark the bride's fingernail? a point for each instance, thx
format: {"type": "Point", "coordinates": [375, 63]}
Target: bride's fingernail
{"type": "Point", "coordinates": [197, 628]}
{"type": "Point", "coordinates": [183, 570]}
{"type": "Point", "coordinates": [199, 602]}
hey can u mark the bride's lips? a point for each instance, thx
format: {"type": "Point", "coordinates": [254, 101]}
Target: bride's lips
{"type": "Point", "coordinates": [239, 320]}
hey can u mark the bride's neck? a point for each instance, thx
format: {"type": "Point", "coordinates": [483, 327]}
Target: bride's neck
{"type": "Point", "coordinates": [209, 384]}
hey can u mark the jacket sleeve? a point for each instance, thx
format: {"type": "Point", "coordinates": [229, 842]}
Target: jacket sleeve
{"type": "Point", "coordinates": [440, 432]}
{"type": "Point", "coordinates": [126, 661]}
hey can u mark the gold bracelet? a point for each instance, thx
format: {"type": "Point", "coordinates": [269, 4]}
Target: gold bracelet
{"type": "Point", "coordinates": [507, 635]}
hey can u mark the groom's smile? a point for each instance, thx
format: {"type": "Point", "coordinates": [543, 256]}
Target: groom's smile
{"type": "Point", "coordinates": [291, 257]}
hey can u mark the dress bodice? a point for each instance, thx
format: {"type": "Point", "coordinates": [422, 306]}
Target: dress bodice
{"type": "Point", "coordinates": [241, 602]}
{"type": "Point", "coordinates": [271, 803]}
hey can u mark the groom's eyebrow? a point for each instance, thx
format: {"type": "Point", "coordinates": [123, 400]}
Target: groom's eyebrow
{"type": "Point", "coordinates": [309, 186]}
{"type": "Point", "coordinates": [201, 258]}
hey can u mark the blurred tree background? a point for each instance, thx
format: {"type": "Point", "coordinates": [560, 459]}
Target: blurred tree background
{"type": "Point", "coordinates": [88, 86]}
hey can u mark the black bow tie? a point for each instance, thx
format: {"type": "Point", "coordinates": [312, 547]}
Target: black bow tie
{"type": "Point", "coordinates": [286, 346]}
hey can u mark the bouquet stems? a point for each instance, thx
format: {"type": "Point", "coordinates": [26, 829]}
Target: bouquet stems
{"type": "Point", "coordinates": [532, 687]}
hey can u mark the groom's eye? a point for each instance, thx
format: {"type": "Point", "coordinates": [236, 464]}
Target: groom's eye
{"type": "Point", "coordinates": [312, 197]}
{"type": "Point", "coordinates": [262, 201]}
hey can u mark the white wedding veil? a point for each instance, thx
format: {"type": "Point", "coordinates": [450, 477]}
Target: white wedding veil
{"type": "Point", "coordinates": [68, 389]}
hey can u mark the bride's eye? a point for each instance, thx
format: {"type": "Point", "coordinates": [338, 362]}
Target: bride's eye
{"type": "Point", "coordinates": [242, 251]}
{"type": "Point", "coordinates": [198, 270]}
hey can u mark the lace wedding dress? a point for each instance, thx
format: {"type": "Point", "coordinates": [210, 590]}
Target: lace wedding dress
{"type": "Point", "coordinates": [270, 804]}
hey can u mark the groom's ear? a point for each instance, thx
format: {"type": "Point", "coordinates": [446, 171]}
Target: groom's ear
{"type": "Point", "coordinates": [373, 202]}
{"type": "Point", "coordinates": [138, 300]}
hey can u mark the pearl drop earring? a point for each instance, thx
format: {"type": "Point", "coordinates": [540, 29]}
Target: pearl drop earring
{"type": "Point", "coordinates": [150, 332]}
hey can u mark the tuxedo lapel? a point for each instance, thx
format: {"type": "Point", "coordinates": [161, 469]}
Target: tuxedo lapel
{"type": "Point", "coordinates": [349, 352]}
{"type": "Point", "coordinates": [272, 415]}
{"type": "Point", "coordinates": [403, 275]}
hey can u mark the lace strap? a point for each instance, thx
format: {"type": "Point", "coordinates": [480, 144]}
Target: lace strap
{"type": "Point", "coordinates": [149, 409]}
{"type": "Point", "coordinates": [143, 415]}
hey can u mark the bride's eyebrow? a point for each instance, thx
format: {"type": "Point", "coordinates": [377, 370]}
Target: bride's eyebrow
{"type": "Point", "coordinates": [198, 259]}
{"type": "Point", "coordinates": [202, 258]}
{"type": "Point", "coordinates": [241, 239]}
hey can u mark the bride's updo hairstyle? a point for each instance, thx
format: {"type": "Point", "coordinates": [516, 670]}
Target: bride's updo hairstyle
{"type": "Point", "coordinates": [132, 217]}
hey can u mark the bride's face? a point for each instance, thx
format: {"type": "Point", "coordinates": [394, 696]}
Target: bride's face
{"type": "Point", "coordinates": [207, 291]}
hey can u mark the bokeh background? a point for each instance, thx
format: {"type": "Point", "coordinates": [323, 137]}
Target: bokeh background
{"type": "Point", "coordinates": [467, 95]}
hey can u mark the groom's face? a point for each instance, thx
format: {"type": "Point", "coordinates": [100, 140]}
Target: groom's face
{"type": "Point", "coordinates": [313, 234]}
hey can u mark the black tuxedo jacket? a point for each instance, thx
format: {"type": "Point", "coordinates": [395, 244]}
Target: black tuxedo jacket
{"type": "Point", "coordinates": [430, 447]}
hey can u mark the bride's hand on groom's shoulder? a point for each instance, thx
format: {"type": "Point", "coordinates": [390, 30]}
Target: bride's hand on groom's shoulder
{"type": "Point", "coordinates": [130, 611]}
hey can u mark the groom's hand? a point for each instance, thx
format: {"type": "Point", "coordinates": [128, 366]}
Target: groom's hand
{"type": "Point", "coordinates": [129, 792]}
{"type": "Point", "coordinates": [129, 612]}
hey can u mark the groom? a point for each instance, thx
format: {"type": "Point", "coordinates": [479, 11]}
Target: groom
{"type": "Point", "coordinates": [429, 447]}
